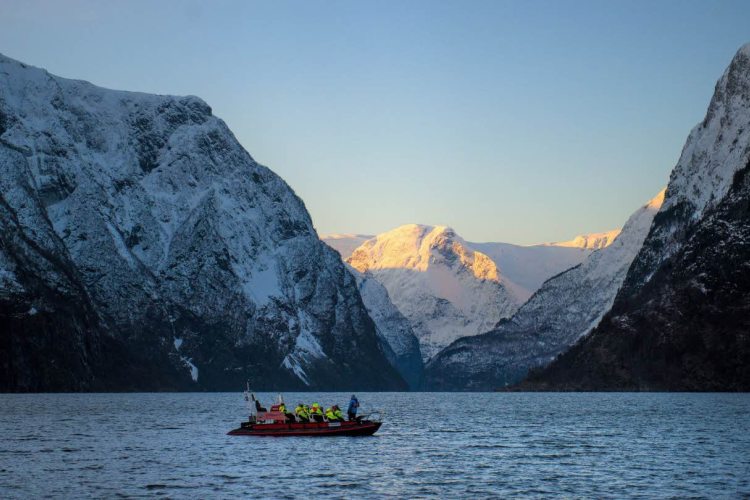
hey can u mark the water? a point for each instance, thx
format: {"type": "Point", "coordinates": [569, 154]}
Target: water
{"type": "Point", "coordinates": [450, 445]}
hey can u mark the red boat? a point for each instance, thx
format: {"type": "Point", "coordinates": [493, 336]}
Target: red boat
{"type": "Point", "coordinates": [275, 423]}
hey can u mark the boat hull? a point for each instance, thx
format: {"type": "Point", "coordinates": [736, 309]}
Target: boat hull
{"type": "Point", "coordinates": [350, 428]}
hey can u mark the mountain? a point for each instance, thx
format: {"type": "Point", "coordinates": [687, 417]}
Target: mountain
{"type": "Point", "coordinates": [527, 267]}
{"type": "Point", "coordinates": [524, 268]}
{"type": "Point", "coordinates": [400, 344]}
{"type": "Point", "coordinates": [142, 248]}
{"type": "Point", "coordinates": [564, 309]}
{"type": "Point", "coordinates": [443, 287]}
{"type": "Point", "coordinates": [680, 321]}
{"type": "Point", "coordinates": [591, 241]}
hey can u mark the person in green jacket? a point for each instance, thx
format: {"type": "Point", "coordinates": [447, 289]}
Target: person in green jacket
{"type": "Point", "coordinates": [302, 414]}
{"type": "Point", "coordinates": [337, 413]}
{"type": "Point", "coordinates": [289, 416]}
{"type": "Point", "coordinates": [316, 412]}
{"type": "Point", "coordinates": [333, 414]}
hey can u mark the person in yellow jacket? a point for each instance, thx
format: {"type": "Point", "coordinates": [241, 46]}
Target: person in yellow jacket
{"type": "Point", "coordinates": [316, 412]}
{"type": "Point", "coordinates": [302, 414]}
{"type": "Point", "coordinates": [337, 413]}
{"type": "Point", "coordinates": [289, 416]}
{"type": "Point", "coordinates": [333, 414]}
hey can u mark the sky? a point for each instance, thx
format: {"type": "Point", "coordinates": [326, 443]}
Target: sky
{"type": "Point", "coordinates": [519, 122]}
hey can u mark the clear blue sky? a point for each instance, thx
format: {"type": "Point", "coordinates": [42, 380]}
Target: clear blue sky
{"type": "Point", "coordinates": [510, 121]}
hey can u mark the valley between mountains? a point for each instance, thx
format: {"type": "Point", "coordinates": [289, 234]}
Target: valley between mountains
{"type": "Point", "coordinates": [143, 248]}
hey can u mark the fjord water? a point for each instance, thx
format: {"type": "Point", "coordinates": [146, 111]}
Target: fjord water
{"type": "Point", "coordinates": [478, 445]}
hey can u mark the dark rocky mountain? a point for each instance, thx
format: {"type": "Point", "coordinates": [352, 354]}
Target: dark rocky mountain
{"type": "Point", "coordinates": [142, 248]}
{"type": "Point", "coordinates": [681, 321]}
{"type": "Point", "coordinates": [565, 308]}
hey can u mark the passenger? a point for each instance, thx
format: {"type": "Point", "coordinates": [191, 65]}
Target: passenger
{"type": "Point", "coordinates": [351, 412]}
{"type": "Point", "coordinates": [302, 414]}
{"type": "Point", "coordinates": [289, 416]}
{"type": "Point", "coordinates": [331, 415]}
{"type": "Point", "coordinates": [316, 412]}
{"type": "Point", "coordinates": [337, 413]}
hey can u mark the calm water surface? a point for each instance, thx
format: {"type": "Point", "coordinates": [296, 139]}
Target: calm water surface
{"type": "Point", "coordinates": [450, 445]}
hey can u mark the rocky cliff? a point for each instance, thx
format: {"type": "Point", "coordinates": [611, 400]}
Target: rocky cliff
{"type": "Point", "coordinates": [680, 321]}
{"type": "Point", "coordinates": [143, 248]}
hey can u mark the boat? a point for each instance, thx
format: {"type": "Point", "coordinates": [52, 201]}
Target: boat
{"type": "Point", "coordinates": [275, 423]}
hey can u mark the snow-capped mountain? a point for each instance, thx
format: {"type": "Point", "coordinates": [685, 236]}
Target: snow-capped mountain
{"type": "Point", "coordinates": [680, 321]}
{"type": "Point", "coordinates": [400, 344]}
{"type": "Point", "coordinates": [443, 287]}
{"type": "Point", "coordinates": [563, 310]}
{"type": "Point", "coordinates": [524, 267]}
{"type": "Point", "coordinates": [591, 241]}
{"type": "Point", "coordinates": [143, 247]}
{"type": "Point", "coordinates": [527, 267]}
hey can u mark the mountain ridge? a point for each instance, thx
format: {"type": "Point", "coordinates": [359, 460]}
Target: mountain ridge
{"type": "Point", "coordinates": [565, 308]}
{"type": "Point", "coordinates": [679, 321]}
{"type": "Point", "coordinates": [139, 229]}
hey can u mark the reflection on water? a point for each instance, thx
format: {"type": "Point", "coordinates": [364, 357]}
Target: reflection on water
{"type": "Point", "coordinates": [476, 445]}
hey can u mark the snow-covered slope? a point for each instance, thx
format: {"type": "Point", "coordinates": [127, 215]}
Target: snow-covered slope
{"type": "Point", "coordinates": [401, 346]}
{"type": "Point", "coordinates": [201, 265]}
{"type": "Point", "coordinates": [527, 267]}
{"type": "Point", "coordinates": [680, 321]}
{"type": "Point", "coordinates": [443, 287]}
{"type": "Point", "coordinates": [523, 267]}
{"type": "Point", "coordinates": [345, 244]}
{"type": "Point", "coordinates": [591, 241]}
{"type": "Point", "coordinates": [564, 309]}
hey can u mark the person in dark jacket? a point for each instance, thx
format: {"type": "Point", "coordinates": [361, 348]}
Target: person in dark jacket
{"type": "Point", "coordinates": [351, 412]}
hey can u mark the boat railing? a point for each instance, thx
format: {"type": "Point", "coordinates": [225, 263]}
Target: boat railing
{"type": "Point", "coordinates": [374, 414]}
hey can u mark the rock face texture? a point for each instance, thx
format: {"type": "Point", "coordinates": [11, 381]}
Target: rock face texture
{"type": "Point", "coordinates": [564, 309]}
{"type": "Point", "coordinates": [444, 288]}
{"type": "Point", "coordinates": [400, 344]}
{"type": "Point", "coordinates": [681, 319]}
{"type": "Point", "coordinates": [143, 248]}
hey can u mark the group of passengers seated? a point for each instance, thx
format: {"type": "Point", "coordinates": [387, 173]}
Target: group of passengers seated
{"type": "Point", "coordinates": [305, 414]}
{"type": "Point", "coordinates": [314, 413]}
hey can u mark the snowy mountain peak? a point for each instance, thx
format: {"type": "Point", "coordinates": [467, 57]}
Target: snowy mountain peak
{"type": "Point", "coordinates": [590, 241]}
{"type": "Point", "coordinates": [417, 247]}
{"type": "Point", "coordinates": [148, 208]}
{"type": "Point", "coordinates": [713, 151]}
{"type": "Point", "coordinates": [438, 282]}
{"type": "Point", "coordinates": [565, 308]}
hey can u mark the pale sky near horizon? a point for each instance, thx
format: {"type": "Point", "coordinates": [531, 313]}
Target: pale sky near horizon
{"type": "Point", "coordinates": [519, 121]}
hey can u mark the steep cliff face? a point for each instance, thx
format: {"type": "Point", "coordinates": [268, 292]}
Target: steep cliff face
{"type": "Point", "coordinates": [400, 344]}
{"type": "Point", "coordinates": [182, 257]}
{"type": "Point", "coordinates": [444, 288]}
{"type": "Point", "coordinates": [564, 309]}
{"type": "Point", "coordinates": [680, 320]}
